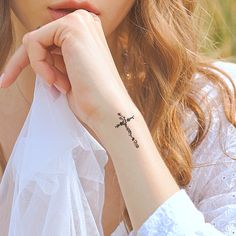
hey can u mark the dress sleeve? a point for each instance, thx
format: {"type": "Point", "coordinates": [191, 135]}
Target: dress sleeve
{"type": "Point", "coordinates": [178, 216]}
{"type": "Point", "coordinates": [212, 212]}
{"type": "Point", "coordinates": [207, 207]}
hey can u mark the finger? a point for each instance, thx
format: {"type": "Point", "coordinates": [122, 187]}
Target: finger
{"type": "Point", "coordinates": [50, 59]}
{"type": "Point", "coordinates": [59, 63]}
{"type": "Point", "coordinates": [15, 65]}
{"type": "Point", "coordinates": [40, 59]}
{"type": "Point", "coordinates": [102, 39]}
{"type": "Point", "coordinates": [104, 44]}
{"type": "Point", "coordinates": [18, 61]}
{"type": "Point", "coordinates": [93, 20]}
{"type": "Point", "coordinates": [56, 51]}
{"type": "Point", "coordinates": [98, 24]}
{"type": "Point", "coordinates": [99, 31]}
{"type": "Point", "coordinates": [62, 81]}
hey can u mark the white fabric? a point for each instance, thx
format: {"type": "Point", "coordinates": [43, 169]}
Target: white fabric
{"type": "Point", "coordinates": [53, 183]}
{"type": "Point", "coordinates": [54, 180]}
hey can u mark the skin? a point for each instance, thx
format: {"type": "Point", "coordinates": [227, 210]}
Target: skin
{"type": "Point", "coordinates": [145, 180]}
{"type": "Point", "coordinates": [27, 15]}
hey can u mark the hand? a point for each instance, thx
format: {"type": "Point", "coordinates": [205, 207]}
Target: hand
{"type": "Point", "coordinates": [89, 76]}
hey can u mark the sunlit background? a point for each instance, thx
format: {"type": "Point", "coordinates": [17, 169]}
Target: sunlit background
{"type": "Point", "coordinates": [219, 23]}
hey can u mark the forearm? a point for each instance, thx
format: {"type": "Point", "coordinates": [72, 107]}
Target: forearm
{"type": "Point", "coordinates": [144, 179]}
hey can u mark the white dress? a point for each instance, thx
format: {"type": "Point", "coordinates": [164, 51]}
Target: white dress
{"type": "Point", "coordinates": [53, 184]}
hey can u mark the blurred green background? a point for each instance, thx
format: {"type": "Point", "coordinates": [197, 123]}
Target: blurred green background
{"type": "Point", "coordinates": [218, 19]}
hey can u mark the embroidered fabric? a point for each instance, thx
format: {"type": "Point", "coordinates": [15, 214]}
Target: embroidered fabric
{"type": "Point", "coordinates": [207, 206]}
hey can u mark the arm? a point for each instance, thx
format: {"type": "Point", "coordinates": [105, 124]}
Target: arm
{"type": "Point", "coordinates": [144, 179]}
{"type": "Point", "coordinates": [213, 185]}
{"type": "Point", "coordinates": [212, 189]}
{"type": "Point", "coordinates": [155, 205]}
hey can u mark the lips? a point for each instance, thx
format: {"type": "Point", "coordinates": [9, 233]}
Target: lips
{"type": "Point", "coordinates": [63, 8]}
{"type": "Point", "coordinates": [56, 14]}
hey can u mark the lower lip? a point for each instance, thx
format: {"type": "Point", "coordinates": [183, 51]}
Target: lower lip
{"type": "Point", "coordinates": [56, 14]}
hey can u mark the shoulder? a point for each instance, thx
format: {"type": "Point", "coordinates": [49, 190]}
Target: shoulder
{"type": "Point", "coordinates": [216, 154]}
{"type": "Point", "coordinates": [209, 99]}
{"type": "Point", "coordinates": [206, 90]}
{"type": "Point", "coordinates": [225, 69]}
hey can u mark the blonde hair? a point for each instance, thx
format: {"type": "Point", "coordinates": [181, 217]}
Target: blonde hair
{"type": "Point", "coordinates": [162, 44]}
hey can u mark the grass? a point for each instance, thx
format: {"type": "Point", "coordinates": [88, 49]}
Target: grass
{"type": "Point", "coordinates": [219, 24]}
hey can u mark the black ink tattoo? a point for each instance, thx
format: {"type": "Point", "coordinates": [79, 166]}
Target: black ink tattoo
{"type": "Point", "coordinates": [124, 122]}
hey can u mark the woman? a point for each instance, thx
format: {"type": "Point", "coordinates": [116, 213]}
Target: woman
{"type": "Point", "coordinates": [158, 87]}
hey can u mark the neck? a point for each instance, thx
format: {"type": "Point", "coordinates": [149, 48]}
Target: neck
{"type": "Point", "coordinates": [26, 79]}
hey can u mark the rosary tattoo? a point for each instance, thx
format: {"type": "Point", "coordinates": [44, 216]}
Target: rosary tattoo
{"type": "Point", "coordinates": [124, 122]}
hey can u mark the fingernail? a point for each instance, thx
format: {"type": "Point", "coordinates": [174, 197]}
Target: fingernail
{"type": "Point", "coordinates": [1, 80]}
{"type": "Point", "coordinates": [60, 89]}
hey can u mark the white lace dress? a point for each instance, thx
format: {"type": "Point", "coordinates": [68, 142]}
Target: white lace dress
{"type": "Point", "coordinates": [54, 184]}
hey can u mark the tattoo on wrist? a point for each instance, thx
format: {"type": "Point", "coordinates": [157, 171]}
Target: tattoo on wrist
{"type": "Point", "coordinates": [124, 122]}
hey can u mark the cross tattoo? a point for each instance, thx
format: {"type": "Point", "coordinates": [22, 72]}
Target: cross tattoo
{"type": "Point", "coordinates": [124, 122]}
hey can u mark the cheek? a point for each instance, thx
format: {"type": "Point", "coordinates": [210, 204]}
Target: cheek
{"type": "Point", "coordinates": [113, 13]}
{"type": "Point", "coordinates": [28, 12]}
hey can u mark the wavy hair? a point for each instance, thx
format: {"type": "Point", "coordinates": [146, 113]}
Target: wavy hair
{"type": "Point", "coordinates": [161, 39]}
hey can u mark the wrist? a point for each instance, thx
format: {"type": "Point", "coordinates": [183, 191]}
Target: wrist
{"type": "Point", "coordinates": [108, 118]}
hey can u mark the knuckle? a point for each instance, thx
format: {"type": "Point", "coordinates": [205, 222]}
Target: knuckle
{"type": "Point", "coordinates": [25, 38]}
{"type": "Point", "coordinates": [65, 25]}
{"type": "Point", "coordinates": [78, 16]}
{"type": "Point", "coordinates": [82, 14]}
{"type": "Point", "coordinates": [71, 18]}
{"type": "Point", "coordinates": [64, 32]}
{"type": "Point", "coordinates": [69, 23]}
{"type": "Point", "coordinates": [96, 17]}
